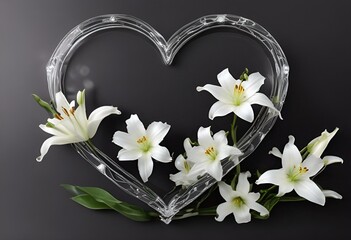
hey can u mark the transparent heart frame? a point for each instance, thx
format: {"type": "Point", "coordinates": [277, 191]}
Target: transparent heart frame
{"type": "Point", "coordinates": [264, 121]}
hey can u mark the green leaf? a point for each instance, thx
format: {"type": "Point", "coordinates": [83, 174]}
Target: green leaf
{"type": "Point", "coordinates": [269, 204]}
{"type": "Point", "coordinates": [99, 194]}
{"type": "Point", "coordinates": [89, 202]}
{"type": "Point", "coordinates": [258, 174]}
{"type": "Point", "coordinates": [98, 199]}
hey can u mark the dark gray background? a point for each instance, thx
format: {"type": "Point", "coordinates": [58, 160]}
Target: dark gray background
{"type": "Point", "coordinates": [315, 37]}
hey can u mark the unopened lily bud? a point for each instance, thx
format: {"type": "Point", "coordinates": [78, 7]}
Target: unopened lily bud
{"type": "Point", "coordinates": [319, 144]}
{"type": "Point", "coordinates": [44, 104]}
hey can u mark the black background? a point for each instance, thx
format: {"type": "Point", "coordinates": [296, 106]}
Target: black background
{"type": "Point", "coordinates": [315, 37]}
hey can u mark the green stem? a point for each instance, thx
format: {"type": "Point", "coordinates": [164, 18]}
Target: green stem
{"type": "Point", "coordinates": [291, 199]}
{"type": "Point", "coordinates": [233, 129]}
{"type": "Point", "coordinates": [265, 192]}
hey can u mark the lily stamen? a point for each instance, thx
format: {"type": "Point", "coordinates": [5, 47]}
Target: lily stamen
{"type": "Point", "coordinates": [65, 111]}
{"type": "Point", "coordinates": [58, 116]}
{"type": "Point", "coordinates": [72, 110]}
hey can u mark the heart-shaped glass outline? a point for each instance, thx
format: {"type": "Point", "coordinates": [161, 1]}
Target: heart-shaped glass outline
{"type": "Point", "coordinates": [264, 121]}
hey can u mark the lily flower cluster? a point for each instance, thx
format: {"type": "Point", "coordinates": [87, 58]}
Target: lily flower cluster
{"type": "Point", "coordinates": [205, 155]}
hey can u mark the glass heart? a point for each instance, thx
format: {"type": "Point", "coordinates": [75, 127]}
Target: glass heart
{"type": "Point", "coordinates": [278, 82]}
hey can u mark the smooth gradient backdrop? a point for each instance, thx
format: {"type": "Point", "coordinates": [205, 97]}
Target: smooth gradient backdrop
{"type": "Point", "coordinates": [127, 71]}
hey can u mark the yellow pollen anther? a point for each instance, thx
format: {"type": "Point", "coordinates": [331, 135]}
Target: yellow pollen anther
{"type": "Point", "coordinates": [142, 140]}
{"type": "Point", "coordinates": [58, 116]}
{"type": "Point", "coordinates": [303, 169]}
{"type": "Point", "coordinates": [209, 151]}
{"type": "Point", "coordinates": [72, 110]}
{"type": "Point", "coordinates": [65, 111]}
{"type": "Point", "coordinates": [239, 88]}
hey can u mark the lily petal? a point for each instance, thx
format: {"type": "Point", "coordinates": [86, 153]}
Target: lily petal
{"type": "Point", "coordinates": [272, 176]}
{"type": "Point", "coordinates": [218, 92]}
{"type": "Point", "coordinates": [223, 210]}
{"type": "Point", "coordinates": [145, 167]}
{"type": "Point", "coordinates": [219, 109]}
{"type": "Point", "coordinates": [257, 207]}
{"type": "Point", "coordinates": [254, 196]}
{"type": "Point", "coordinates": [135, 127]}
{"type": "Point", "coordinates": [80, 115]}
{"type": "Point", "coordinates": [81, 103]}
{"type": "Point", "coordinates": [61, 103]}
{"type": "Point", "coordinates": [220, 137]}
{"type": "Point", "coordinates": [52, 130]}
{"type": "Point", "coordinates": [204, 137]}
{"type": "Point", "coordinates": [54, 140]}
{"type": "Point", "coordinates": [198, 169]}
{"type": "Point", "coordinates": [228, 151]}
{"type": "Point", "coordinates": [313, 164]}
{"type": "Point", "coordinates": [253, 84]}
{"type": "Point", "coordinates": [226, 191]}
{"type": "Point", "coordinates": [97, 116]}
{"type": "Point", "coordinates": [242, 214]}
{"type": "Point", "coordinates": [331, 194]}
{"type": "Point", "coordinates": [187, 145]}
{"type": "Point", "coordinates": [332, 159]}
{"type": "Point", "coordinates": [161, 154]}
{"type": "Point", "coordinates": [179, 179]}
{"type": "Point", "coordinates": [310, 191]}
{"type": "Point", "coordinates": [291, 155]}
{"type": "Point", "coordinates": [215, 170]}
{"type": "Point", "coordinates": [157, 131]}
{"type": "Point", "coordinates": [127, 155]}
{"type": "Point", "coordinates": [285, 187]}
{"type": "Point", "coordinates": [275, 152]}
{"type": "Point", "coordinates": [244, 111]}
{"type": "Point", "coordinates": [124, 140]}
{"type": "Point", "coordinates": [243, 185]}
{"type": "Point", "coordinates": [226, 80]}
{"type": "Point", "coordinates": [179, 162]}
{"type": "Point", "coordinates": [261, 99]}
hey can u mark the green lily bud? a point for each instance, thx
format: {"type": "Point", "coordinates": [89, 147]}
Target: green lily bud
{"type": "Point", "coordinates": [44, 104]}
{"type": "Point", "coordinates": [319, 144]}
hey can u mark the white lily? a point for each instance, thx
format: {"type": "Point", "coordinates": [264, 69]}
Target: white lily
{"type": "Point", "coordinates": [208, 155]}
{"type": "Point", "coordinates": [239, 201]}
{"type": "Point", "coordinates": [142, 145]}
{"type": "Point", "coordinates": [184, 166]}
{"type": "Point", "coordinates": [71, 125]}
{"type": "Point", "coordinates": [237, 96]}
{"type": "Point", "coordinates": [319, 144]}
{"type": "Point", "coordinates": [295, 174]}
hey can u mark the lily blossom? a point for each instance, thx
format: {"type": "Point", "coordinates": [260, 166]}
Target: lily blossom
{"type": "Point", "coordinates": [71, 125]}
{"type": "Point", "coordinates": [237, 96]}
{"type": "Point", "coordinates": [142, 144]}
{"type": "Point", "coordinates": [208, 155]}
{"type": "Point", "coordinates": [184, 166]}
{"type": "Point", "coordinates": [239, 201]}
{"type": "Point", "coordinates": [295, 174]}
{"type": "Point", "coordinates": [319, 144]}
